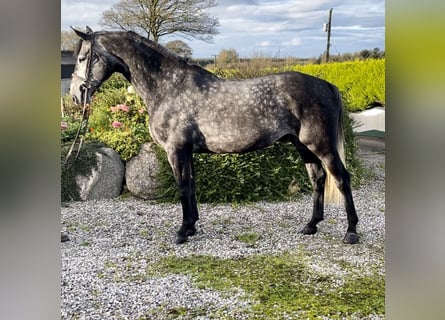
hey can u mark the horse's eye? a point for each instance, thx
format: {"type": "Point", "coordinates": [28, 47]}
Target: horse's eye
{"type": "Point", "coordinates": [82, 59]}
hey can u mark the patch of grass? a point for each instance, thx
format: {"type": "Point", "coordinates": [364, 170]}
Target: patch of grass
{"type": "Point", "coordinates": [86, 244]}
{"type": "Point", "coordinates": [282, 285]}
{"type": "Point", "coordinates": [223, 222]}
{"type": "Point", "coordinates": [249, 237]}
{"type": "Point", "coordinates": [178, 312]}
{"type": "Point", "coordinates": [143, 233]}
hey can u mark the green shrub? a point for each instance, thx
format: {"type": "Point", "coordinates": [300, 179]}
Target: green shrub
{"type": "Point", "coordinates": [70, 120]}
{"type": "Point", "coordinates": [261, 175]}
{"type": "Point", "coordinates": [70, 127]}
{"type": "Point", "coordinates": [119, 118]}
{"type": "Point", "coordinates": [361, 82]}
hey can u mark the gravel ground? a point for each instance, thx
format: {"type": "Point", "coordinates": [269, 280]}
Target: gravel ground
{"type": "Point", "coordinates": [112, 242]}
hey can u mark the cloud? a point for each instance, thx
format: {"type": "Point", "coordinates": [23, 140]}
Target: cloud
{"type": "Point", "coordinates": [83, 13]}
{"type": "Point", "coordinates": [264, 43]}
{"type": "Point", "coordinates": [291, 27]}
{"type": "Point", "coordinates": [293, 42]}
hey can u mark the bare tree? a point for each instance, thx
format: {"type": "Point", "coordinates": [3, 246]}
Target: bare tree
{"type": "Point", "coordinates": [68, 40]}
{"type": "Point", "coordinates": [157, 18]}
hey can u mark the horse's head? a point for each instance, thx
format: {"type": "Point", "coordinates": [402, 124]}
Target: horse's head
{"type": "Point", "coordinates": [94, 65]}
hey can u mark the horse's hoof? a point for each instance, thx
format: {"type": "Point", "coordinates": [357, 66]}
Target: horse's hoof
{"type": "Point", "coordinates": [350, 238]}
{"type": "Point", "coordinates": [190, 231]}
{"type": "Point", "coordinates": [181, 239]}
{"type": "Point", "coordinates": [184, 233]}
{"type": "Point", "coordinates": [309, 230]}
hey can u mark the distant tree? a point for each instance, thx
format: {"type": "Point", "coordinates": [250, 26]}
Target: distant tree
{"type": "Point", "coordinates": [365, 54]}
{"type": "Point", "coordinates": [377, 54]}
{"type": "Point", "coordinates": [157, 18]}
{"type": "Point", "coordinates": [180, 48]}
{"type": "Point", "coordinates": [226, 56]}
{"type": "Point", "coordinates": [68, 40]}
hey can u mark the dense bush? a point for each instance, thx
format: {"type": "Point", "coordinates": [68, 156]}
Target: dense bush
{"type": "Point", "coordinates": [361, 82]}
{"type": "Point", "coordinates": [119, 118]}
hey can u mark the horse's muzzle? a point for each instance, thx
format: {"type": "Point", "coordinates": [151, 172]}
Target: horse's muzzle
{"type": "Point", "coordinates": [81, 94]}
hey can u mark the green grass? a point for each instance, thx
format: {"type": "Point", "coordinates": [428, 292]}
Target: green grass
{"type": "Point", "coordinates": [248, 236]}
{"type": "Point", "coordinates": [282, 285]}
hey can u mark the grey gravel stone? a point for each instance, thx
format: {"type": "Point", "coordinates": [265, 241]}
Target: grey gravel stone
{"type": "Point", "coordinates": [113, 241]}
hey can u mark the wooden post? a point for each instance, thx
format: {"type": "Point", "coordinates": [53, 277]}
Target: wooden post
{"type": "Point", "coordinates": [62, 107]}
{"type": "Point", "coordinates": [329, 35]}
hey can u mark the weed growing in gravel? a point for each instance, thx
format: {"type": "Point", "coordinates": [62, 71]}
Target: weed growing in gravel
{"type": "Point", "coordinates": [282, 285]}
{"type": "Point", "coordinates": [249, 237]}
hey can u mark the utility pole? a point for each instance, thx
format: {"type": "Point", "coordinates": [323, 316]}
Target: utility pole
{"type": "Point", "coordinates": [214, 58]}
{"type": "Point", "coordinates": [327, 28]}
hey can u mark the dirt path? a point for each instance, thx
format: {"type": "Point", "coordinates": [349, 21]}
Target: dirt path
{"type": "Point", "coordinates": [372, 149]}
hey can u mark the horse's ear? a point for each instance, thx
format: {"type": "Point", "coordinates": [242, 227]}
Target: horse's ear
{"type": "Point", "coordinates": [83, 35]}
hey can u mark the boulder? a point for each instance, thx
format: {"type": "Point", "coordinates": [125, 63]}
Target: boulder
{"type": "Point", "coordinates": [142, 171]}
{"type": "Point", "coordinates": [105, 180]}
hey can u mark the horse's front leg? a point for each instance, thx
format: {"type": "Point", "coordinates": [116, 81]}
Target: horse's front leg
{"type": "Point", "coordinates": [181, 161]}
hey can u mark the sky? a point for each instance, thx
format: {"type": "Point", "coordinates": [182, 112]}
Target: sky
{"type": "Point", "coordinates": [272, 28]}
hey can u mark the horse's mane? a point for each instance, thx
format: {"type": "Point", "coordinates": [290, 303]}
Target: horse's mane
{"type": "Point", "coordinates": [138, 38]}
{"type": "Point", "coordinates": [161, 50]}
{"type": "Point", "coordinates": [157, 47]}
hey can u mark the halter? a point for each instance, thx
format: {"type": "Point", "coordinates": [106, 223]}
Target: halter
{"type": "Point", "coordinates": [87, 82]}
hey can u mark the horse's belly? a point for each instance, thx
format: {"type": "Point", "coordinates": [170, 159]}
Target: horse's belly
{"type": "Point", "coordinates": [237, 141]}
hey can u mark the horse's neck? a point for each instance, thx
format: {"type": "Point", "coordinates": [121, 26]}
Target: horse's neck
{"type": "Point", "coordinates": [145, 74]}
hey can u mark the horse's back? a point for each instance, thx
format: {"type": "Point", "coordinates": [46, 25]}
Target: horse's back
{"type": "Point", "coordinates": [233, 116]}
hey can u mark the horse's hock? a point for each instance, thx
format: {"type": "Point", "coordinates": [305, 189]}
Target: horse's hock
{"type": "Point", "coordinates": [141, 173]}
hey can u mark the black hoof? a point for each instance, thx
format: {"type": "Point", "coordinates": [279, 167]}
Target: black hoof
{"type": "Point", "coordinates": [351, 238]}
{"type": "Point", "coordinates": [181, 239]}
{"type": "Point", "coordinates": [309, 230]}
{"type": "Point", "coordinates": [184, 233]}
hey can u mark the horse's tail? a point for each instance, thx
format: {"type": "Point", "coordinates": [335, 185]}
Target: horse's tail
{"type": "Point", "coordinates": [331, 192]}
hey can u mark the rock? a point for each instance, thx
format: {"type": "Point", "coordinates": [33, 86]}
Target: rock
{"type": "Point", "coordinates": [105, 181]}
{"type": "Point", "coordinates": [142, 172]}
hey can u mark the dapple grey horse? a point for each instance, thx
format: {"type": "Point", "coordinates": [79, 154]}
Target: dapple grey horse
{"type": "Point", "coordinates": [192, 110]}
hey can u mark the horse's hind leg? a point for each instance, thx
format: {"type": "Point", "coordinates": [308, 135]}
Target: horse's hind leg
{"type": "Point", "coordinates": [317, 176]}
{"type": "Point", "coordinates": [182, 166]}
{"type": "Point", "coordinates": [343, 182]}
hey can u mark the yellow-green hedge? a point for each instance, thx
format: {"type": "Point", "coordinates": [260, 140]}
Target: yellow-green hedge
{"type": "Point", "coordinates": [361, 82]}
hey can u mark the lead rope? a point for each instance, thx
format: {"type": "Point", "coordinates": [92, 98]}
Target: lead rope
{"type": "Point", "coordinates": [82, 129]}
{"type": "Point", "coordinates": [84, 123]}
